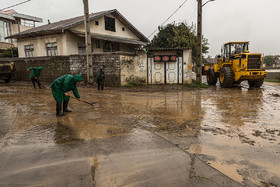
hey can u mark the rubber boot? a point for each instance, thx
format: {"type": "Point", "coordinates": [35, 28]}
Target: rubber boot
{"type": "Point", "coordinates": [58, 109]}
{"type": "Point", "coordinates": [33, 82]}
{"type": "Point", "coordinates": [65, 106]}
{"type": "Point", "coordinates": [39, 85]}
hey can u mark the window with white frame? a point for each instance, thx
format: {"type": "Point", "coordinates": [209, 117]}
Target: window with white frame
{"type": "Point", "coordinates": [28, 49]}
{"type": "Point", "coordinates": [4, 31]}
{"type": "Point", "coordinates": [51, 49]}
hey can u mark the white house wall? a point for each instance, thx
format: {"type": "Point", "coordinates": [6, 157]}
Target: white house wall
{"type": "Point", "coordinates": [100, 29]}
{"type": "Point", "coordinates": [70, 44]}
{"type": "Point", "coordinates": [39, 44]}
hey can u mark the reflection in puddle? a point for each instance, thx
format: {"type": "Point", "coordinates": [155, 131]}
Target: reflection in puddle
{"type": "Point", "coordinates": [89, 130]}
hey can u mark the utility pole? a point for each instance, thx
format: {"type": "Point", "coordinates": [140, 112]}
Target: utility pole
{"type": "Point", "coordinates": [199, 42]}
{"type": "Point", "coordinates": [88, 43]}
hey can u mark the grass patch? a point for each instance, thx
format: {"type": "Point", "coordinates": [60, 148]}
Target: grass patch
{"type": "Point", "coordinates": [196, 84]}
{"type": "Point", "coordinates": [272, 80]}
{"type": "Point", "coordinates": [134, 83]}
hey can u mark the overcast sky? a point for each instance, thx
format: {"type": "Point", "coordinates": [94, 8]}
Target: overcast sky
{"type": "Point", "coordinates": [256, 21]}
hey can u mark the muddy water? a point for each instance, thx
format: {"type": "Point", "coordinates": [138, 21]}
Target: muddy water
{"type": "Point", "coordinates": [235, 131]}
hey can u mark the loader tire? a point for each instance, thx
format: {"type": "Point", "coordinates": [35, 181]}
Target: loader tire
{"type": "Point", "coordinates": [211, 77]}
{"type": "Point", "coordinates": [226, 77]}
{"type": "Point", "coordinates": [255, 83]}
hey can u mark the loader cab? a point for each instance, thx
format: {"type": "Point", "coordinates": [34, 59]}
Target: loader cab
{"type": "Point", "coordinates": [229, 50]}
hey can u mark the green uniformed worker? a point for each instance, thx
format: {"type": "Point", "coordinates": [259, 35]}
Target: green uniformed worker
{"type": "Point", "coordinates": [34, 75]}
{"type": "Point", "coordinates": [100, 78]}
{"type": "Point", "coordinates": [60, 87]}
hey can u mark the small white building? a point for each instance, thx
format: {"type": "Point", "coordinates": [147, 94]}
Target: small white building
{"type": "Point", "coordinates": [110, 32]}
{"type": "Point", "coordinates": [12, 23]}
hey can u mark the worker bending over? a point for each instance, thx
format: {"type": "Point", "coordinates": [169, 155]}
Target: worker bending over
{"type": "Point", "coordinates": [60, 87]}
{"type": "Point", "coordinates": [34, 75]}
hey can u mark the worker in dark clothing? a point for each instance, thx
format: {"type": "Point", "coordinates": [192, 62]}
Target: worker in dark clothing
{"type": "Point", "coordinates": [100, 77]}
{"type": "Point", "coordinates": [60, 87]}
{"type": "Point", "coordinates": [34, 75]}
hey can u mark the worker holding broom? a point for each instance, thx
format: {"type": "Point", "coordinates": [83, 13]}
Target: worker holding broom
{"type": "Point", "coordinates": [34, 75]}
{"type": "Point", "coordinates": [60, 87]}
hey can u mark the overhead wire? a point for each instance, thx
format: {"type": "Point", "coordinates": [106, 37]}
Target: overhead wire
{"type": "Point", "coordinates": [15, 5]}
{"type": "Point", "coordinates": [169, 17]}
{"type": "Point", "coordinates": [188, 15]}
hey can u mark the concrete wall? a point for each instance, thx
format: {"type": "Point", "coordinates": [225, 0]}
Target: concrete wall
{"type": "Point", "coordinates": [120, 67]}
{"type": "Point", "coordinates": [56, 66]}
{"type": "Point", "coordinates": [273, 75]}
{"type": "Point", "coordinates": [187, 60]}
{"type": "Point", "coordinates": [133, 68]}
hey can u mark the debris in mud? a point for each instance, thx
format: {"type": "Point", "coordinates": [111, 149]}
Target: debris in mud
{"type": "Point", "coordinates": [268, 184]}
{"type": "Point", "coordinates": [257, 133]}
{"type": "Point", "coordinates": [275, 95]}
{"type": "Point", "coordinates": [269, 134]}
{"type": "Point", "coordinates": [244, 139]}
{"type": "Point", "coordinates": [216, 130]}
{"type": "Point", "coordinates": [173, 126]}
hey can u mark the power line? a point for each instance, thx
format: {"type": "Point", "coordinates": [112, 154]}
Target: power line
{"type": "Point", "coordinates": [169, 17]}
{"type": "Point", "coordinates": [15, 5]}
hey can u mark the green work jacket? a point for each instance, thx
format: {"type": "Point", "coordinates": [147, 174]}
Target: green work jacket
{"type": "Point", "coordinates": [64, 84]}
{"type": "Point", "coordinates": [36, 72]}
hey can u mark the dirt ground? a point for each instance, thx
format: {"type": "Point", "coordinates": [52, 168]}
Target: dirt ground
{"type": "Point", "coordinates": [165, 135]}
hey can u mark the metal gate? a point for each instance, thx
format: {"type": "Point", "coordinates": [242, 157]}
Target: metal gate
{"type": "Point", "coordinates": [165, 72]}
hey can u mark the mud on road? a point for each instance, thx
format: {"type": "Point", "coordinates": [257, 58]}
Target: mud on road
{"type": "Point", "coordinates": [132, 133]}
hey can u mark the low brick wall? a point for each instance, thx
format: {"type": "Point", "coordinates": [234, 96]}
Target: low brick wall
{"type": "Point", "coordinates": [273, 75]}
{"type": "Point", "coordinates": [56, 66]}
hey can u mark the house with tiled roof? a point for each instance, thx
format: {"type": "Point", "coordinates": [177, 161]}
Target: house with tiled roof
{"type": "Point", "coordinates": [110, 32]}
{"type": "Point", "coordinates": [12, 23]}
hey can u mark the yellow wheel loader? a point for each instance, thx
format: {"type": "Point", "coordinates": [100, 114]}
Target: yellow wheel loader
{"type": "Point", "coordinates": [236, 64]}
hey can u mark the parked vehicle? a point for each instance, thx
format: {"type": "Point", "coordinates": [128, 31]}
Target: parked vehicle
{"type": "Point", "coordinates": [236, 64]}
{"type": "Point", "coordinates": [7, 70]}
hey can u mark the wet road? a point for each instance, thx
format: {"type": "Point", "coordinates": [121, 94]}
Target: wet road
{"type": "Point", "coordinates": [150, 136]}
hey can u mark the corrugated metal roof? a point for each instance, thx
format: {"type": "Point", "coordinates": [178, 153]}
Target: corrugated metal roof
{"type": "Point", "coordinates": [27, 17]}
{"type": "Point", "coordinates": [69, 23]}
{"type": "Point", "coordinates": [111, 38]}
{"type": "Point", "coordinates": [12, 14]}
{"type": "Point", "coordinates": [6, 16]}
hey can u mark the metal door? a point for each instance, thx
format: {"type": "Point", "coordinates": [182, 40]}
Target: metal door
{"type": "Point", "coordinates": [165, 72]}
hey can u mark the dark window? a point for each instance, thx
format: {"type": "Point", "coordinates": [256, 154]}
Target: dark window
{"type": "Point", "coordinates": [51, 49]}
{"type": "Point", "coordinates": [110, 24]}
{"type": "Point", "coordinates": [28, 49]}
{"type": "Point", "coordinates": [81, 48]}
{"type": "Point", "coordinates": [96, 23]}
{"type": "Point", "coordinates": [123, 29]}
{"type": "Point", "coordinates": [97, 43]}
{"type": "Point", "coordinates": [110, 46]}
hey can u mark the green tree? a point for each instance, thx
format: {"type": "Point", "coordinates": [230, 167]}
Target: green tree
{"type": "Point", "coordinates": [269, 60]}
{"type": "Point", "coordinates": [11, 52]}
{"type": "Point", "coordinates": [179, 35]}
